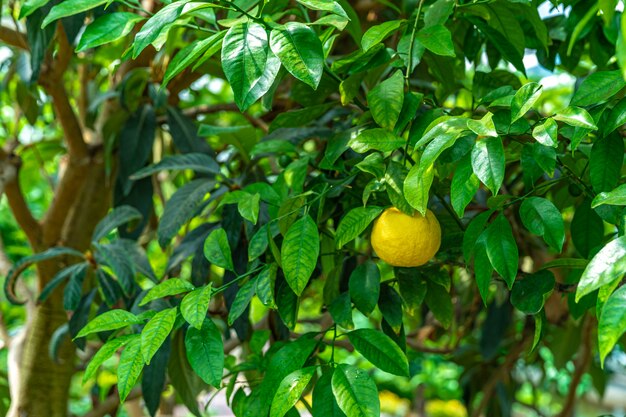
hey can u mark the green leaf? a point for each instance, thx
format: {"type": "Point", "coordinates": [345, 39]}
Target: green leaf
{"type": "Point", "coordinates": [376, 139]}
{"type": "Point", "coordinates": [542, 218]}
{"type": "Point", "coordinates": [217, 249]}
{"type": "Point", "coordinates": [605, 162]}
{"type": "Point", "coordinates": [616, 118]}
{"type": "Point", "coordinates": [355, 392]}
{"type": "Point", "coordinates": [484, 126]}
{"type": "Point", "coordinates": [502, 249]}
{"type": "Point", "coordinates": [546, 133]}
{"type": "Point", "coordinates": [61, 276]}
{"type": "Point", "coordinates": [325, 5]}
{"type": "Point", "coordinates": [436, 39]}
{"type": "Point", "coordinates": [380, 350]}
{"type": "Point", "coordinates": [412, 289]}
{"type": "Point", "coordinates": [190, 53]}
{"type": "Point", "coordinates": [438, 12]}
{"type": "Point", "coordinates": [570, 263]}
{"type": "Point", "coordinates": [197, 162]}
{"type": "Point", "coordinates": [290, 390]}
{"type": "Point", "coordinates": [524, 100]}
{"type": "Point", "coordinates": [248, 63]}
{"type": "Point", "coordinates": [105, 352]}
{"type": "Point", "coordinates": [156, 331]}
{"type": "Point", "coordinates": [162, 21]}
{"type": "Point", "coordinates": [439, 302]}
{"type": "Point", "coordinates": [299, 253]}
{"type": "Point", "coordinates": [205, 352]}
{"type": "Point", "coordinates": [129, 368]}
{"type": "Point", "coordinates": [110, 320]}
{"type": "Point", "coordinates": [576, 116]}
{"type": "Point", "coordinates": [379, 33]}
{"type": "Point", "coordinates": [28, 7]}
{"type": "Point", "coordinates": [70, 8]}
{"type": "Point", "coordinates": [340, 310]}
{"type": "Point", "coordinates": [464, 185]}
{"type": "Point", "coordinates": [172, 286]}
{"type": "Point", "coordinates": [616, 197]}
{"type": "Point", "coordinates": [195, 306]}
{"type": "Point", "coordinates": [501, 43]}
{"type": "Point", "coordinates": [417, 186]}
{"type": "Point", "coordinates": [605, 267]}
{"type": "Point", "coordinates": [473, 232]}
{"type": "Point", "coordinates": [529, 294]}
{"type": "Point", "coordinates": [612, 323]}
{"type": "Point", "coordinates": [242, 299]}
{"type": "Point", "coordinates": [116, 218]}
{"type": "Point", "coordinates": [385, 100]}
{"type": "Point", "coordinates": [265, 283]}
{"type": "Point", "coordinates": [488, 162]}
{"type": "Point", "coordinates": [324, 403]}
{"type": "Point", "coordinates": [354, 223]}
{"type": "Point", "coordinates": [106, 29]}
{"type": "Point", "coordinates": [116, 258]}
{"type": "Point", "coordinates": [300, 51]}
{"type": "Point", "coordinates": [364, 287]}
{"type": "Point", "coordinates": [182, 206]}
{"type": "Point", "coordinates": [483, 270]}
{"type": "Point", "coordinates": [598, 87]}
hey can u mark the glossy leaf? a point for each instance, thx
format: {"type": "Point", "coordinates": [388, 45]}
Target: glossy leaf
{"type": "Point", "coordinates": [105, 352]}
{"type": "Point", "coordinates": [576, 116]}
{"type": "Point", "coordinates": [385, 100]}
{"type": "Point", "coordinates": [172, 286]}
{"type": "Point", "coordinates": [290, 390]}
{"type": "Point", "coordinates": [598, 87]}
{"type": "Point", "coordinates": [502, 249]}
{"type": "Point", "coordinates": [129, 368]}
{"type": "Point", "coordinates": [205, 352]}
{"type": "Point", "coordinates": [299, 253]}
{"type": "Point", "coordinates": [529, 294]}
{"type": "Point", "coordinates": [437, 39]}
{"type": "Point", "coordinates": [300, 51]}
{"type": "Point", "coordinates": [376, 139]}
{"type": "Point", "coordinates": [110, 320]}
{"type": "Point", "coordinates": [612, 322]}
{"type": "Point", "coordinates": [106, 29]}
{"type": "Point", "coordinates": [364, 287]}
{"type": "Point", "coordinates": [542, 218]}
{"type": "Point", "coordinates": [354, 223]}
{"type": "Point", "coordinates": [379, 33]}
{"type": "Point", "coordinates": [546, 133]}
{"type": "Point", "coordinates": [248, 63]}
{"type": "Point", "coordinates": [380, 350]}
{"type": "Point", "coordinates": [615, 197]}
{"type": "Point", "coordinates": [242, 300]}
{"type": "Point", "coordinates": [156, 331]}
{"type": "Point", "coordinates": [605, 163]}
{"type": "Point", "coordinates": [606, 266]}
{"type": "Point", "coordinates": [217, 249]}
{"type": "Point", "coordinates": [355, 392]}
{"type": "Point", "coordinates": [70, 8]}
{"type": "Point", "coordinates": [524, 100]}
{"type": "Point", "coordinates": [464, 185]}
{"type": "Point", "coordinates": [195, 306]}
{"type": "Point", "coordinates": [488, 162]}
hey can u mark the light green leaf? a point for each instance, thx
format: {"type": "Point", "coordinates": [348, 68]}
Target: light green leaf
{"type": "Point", "coordinates": [376, 139]}
{"type": "Point", "coordinates": [325, 5]}
{"type": "Point", "coordinates": [380, 350]}
{"type": "Point", "coordinates": [242, 299]}
{"type": "Point", "coordinates": [355, 392]}
{"type": "Point", "coordinates": [172, 286]}
{"type": "Point", "coordinates": [290, 390]}
{"type": "Point", "coordinates": [265, 283]}
{"type": "Point", "coordinates": [354, 223]}
{"type": "Point", "coordinates": [502, 249]}
{"type": "Point", "coordinates": [299, 253]}
{"type": "Point", "coordinates": [598, 87]}
{"type": "Point", "coordinates": [195, 305]}
{"type": "Point", "coordinates": [542, 218]}
{"type": "Point", "coordinates": [300, 51]}
{"type": "Point", "coordinates": [106, 29]}
{"type": "Point", "coordinates": [70, 8]}
{"type": "Point", "coordinates": [464, 185]}
{"type": "Point", "coordinates": [612, 323]}
{"type": "Point", "coordinates": [217, 249]}
{"type": "Point", "coordinates": [156, 331]}
{"type": "Point", "coordinates": [616, 197]}
{"type": "Point", "coordinates": [484, 126]}
{"type": "Point", "coordinates": [524, 100]}
{"type": "Point", "coordinates": [28, 7]}
{"type": "Point", "coordinates": [205, 352]}
{"type": "Point", "coordinates": [488, 162]}
{"type": "Point", "coordinates": [608, 265]}
{"type": "Point", "coordinates": [324, 403]}
{"type": "Point", "coordinates": [190, 53]}
{"type": "Point", "coordinates": [385, 100]}
{"type": "Point", "coordinates": [576, 116]}
{"type": "Point", "coordinates": [436, 39]}
{"type": "Point", "coordinates": [617, 117]}
{"type": "Point", "coordinates": [110, 320]}
{"type": "Point", "coordinates": [546, 133]}
{"type": "Point", "coordinates": [248, 63]}
{"type": "Point", "coordinates": [129, 368]}
{"type": "Point", "coordinates": [417, 186]}
{"type": "Point", "coordinates": [438, 12]}
{"type": "Point", "coordinates": [105, 352]}
{"type": "Point", "coordinates": [379, 33]}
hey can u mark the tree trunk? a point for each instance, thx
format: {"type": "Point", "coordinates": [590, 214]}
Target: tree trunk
{"type": "Point", "coordinates": [44, 384]}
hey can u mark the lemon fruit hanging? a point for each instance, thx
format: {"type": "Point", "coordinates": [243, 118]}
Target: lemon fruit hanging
{"type": "Point", "coordinates": [403, 240]}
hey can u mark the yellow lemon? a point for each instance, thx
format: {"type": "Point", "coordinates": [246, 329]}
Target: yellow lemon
{"type": "Point", "coordinates": [403, 240]}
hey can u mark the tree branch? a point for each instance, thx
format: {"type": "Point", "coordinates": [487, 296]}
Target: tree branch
{"type": "Point", "coordinates": [9, 173]}
{"type": "Point", "coordinates": [111, 403]}
{"type": "Point", "coordinates": [13, 38]}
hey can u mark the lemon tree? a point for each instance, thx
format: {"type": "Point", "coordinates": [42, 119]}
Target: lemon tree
{"type": "Point", "coordinates": [311, 205]}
